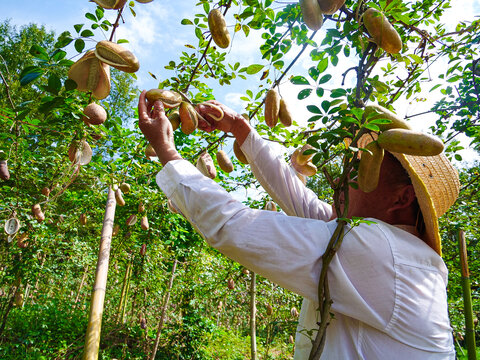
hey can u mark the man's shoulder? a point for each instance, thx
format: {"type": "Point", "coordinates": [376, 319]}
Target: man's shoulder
{"type": "Point", "coordinates": [382, 239]}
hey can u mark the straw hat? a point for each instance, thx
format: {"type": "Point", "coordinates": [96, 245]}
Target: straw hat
{"type": "Point", "coordinates": [436, 186]}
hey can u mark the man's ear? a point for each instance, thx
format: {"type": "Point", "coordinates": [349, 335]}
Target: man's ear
{"type": "Point", "coordinates": [404, 197]}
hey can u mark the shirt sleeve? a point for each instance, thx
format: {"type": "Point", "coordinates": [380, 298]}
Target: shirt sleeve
{"type": "Point", "coordinates": [281, 181]}
{"type": "Point", "coordinates": [285, 249]}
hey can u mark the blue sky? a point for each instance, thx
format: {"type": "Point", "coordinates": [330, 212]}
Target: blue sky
{"type": "Point", "coordinates": [156, 37]}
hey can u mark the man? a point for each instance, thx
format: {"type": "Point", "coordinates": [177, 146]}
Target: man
{"type": "Point", "coordinates": [387, 281]}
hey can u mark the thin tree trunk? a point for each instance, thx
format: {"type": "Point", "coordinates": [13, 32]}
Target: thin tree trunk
{"type": "Point", "coordinates": [253, 314]}
{"type": "Point", "coordinates": [41, 267]}
{"type": "Point", "coordinates": [92, 337]}
{"type": "Point", "coordinates": [85, 272]}
{"type": "Point", "coordinates": [14, 289]}
{"type": "Point", "coordinates": [124, 289]}
{"type": "Point", "coordinates": [134, 303]}
{"type": "Point", "coordinates": [467, 298]}
{"type": "Point", "coordinates": [125, 300]}
{"type": "Point", "coordinates": [27, 292]}
{"type": "Point", "coordinates": [164, 310]}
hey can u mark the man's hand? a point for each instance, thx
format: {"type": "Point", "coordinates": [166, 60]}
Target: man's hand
{"type": "Point", "coordinates": [231, 122]}
{"type": "Point", "coordinates": [156, 127]}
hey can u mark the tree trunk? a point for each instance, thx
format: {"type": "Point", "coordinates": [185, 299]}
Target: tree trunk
{"type": "Point", "coordinates": [467, 298]}
{"type": "Point", "coordinates": [81, 285]}
{"type": "Point", "coordinates": [164, 310]}
{"type": "Point", "coordinates": [14, 289]}
{"type": "Point", "coordinates": [125, 300]}
{"type": "Point", "coordinates": [92, 337]}
{"type": "Point", "coordinates": [253, 314]}
{"type": "Point", "coordinates": [124, 290]}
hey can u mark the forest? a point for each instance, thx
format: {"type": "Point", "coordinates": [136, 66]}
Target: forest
{"type": "Point", "coordinates": [86, 231]}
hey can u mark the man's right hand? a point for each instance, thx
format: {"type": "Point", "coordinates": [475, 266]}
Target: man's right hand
{"type": "Point", "coordinates": [231, 121]}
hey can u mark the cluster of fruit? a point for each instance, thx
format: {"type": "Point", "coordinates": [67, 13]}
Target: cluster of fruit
{"type": "Point", "coordinates": [380, 29]}
{"type": "Point", "coordinates": [186, 118]}
{"type": "Point", "coordinates": [276, 109]}
{"type": "Point", "coordinates": [124, 188]}
{"type": "Point", "coordinates": [397, 137]}
{"type": "Point", "coordinates": [92, 73]}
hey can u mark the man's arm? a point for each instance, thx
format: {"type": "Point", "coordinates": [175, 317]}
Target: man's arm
{"type": "Point", "coordinates": [274, 174]}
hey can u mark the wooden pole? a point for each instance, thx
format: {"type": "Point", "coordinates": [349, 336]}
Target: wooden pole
{"type": "Point", "coordinates": [164, 310]}
{"type": "Point", "coordinates": [253, 314]}
{"type": "Point", "coordinates": [92, 337]}
{"type": "Point", "coordinates": [467, 298]}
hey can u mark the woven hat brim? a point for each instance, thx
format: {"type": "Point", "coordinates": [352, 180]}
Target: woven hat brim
{"type": "Point", "coordinates": [443, 186]}
{"type": "Point", "coordinates": [430, 217]}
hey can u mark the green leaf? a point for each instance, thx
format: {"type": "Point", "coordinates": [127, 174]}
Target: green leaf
{"type": "Point", "coordinates": [86, 33]}
{"type": "Point", "coordinates": [90, 16]}
{"type": "Point", "coordinates": [314, 73]}
{"type": "Point", "coordinates": [186, 22]}
{"type": "Point", "coordinates": [63, 40]}
{"type": "Point", "coordinates": [70, 84]}
{"type": "Point", "coordinates": [58, 55]}
{"type": "Point", "coordinates": [458, 157]}
{"type": "Point", "coordinates": [315, 118]}
{"type": "Point", "coordinates": [122, 41]}
{"type": "Point", "coordinates": [371, 126]}
{"type": "Point", "coordinates": [206, 7]}
{"type": "Point", "coordinates": [99, 12]}
{"type": "Point", "coordinates": [253, 69]}
{"type": "Point", "coordinates": [325, 105]}
{"type": "Point", "coordinates": [78, 27]}
{"type": "Point", "coordinates": [336, 93]}
{"type": "Point", "coordinates": [30, 74]}
{"type": "Point", "coordinates": [246, 30]}
{"type": "Point", "coordinates": [324, 79]}
{"type": "Point", "coordinates": [299, 80]}
{"type": "Point", "coordinates": [322, 65]}
{"type": "Point", "coordinates": [304, 94]}
{"type": "Point", "coordinates": [39, 52]}
{"type": "Point", "coordinates": [416, 58]}
{"type": "Point", "coordinates": [314, 109]}
{"type": "Point", "coordinates": [54, 84]}
{"type": "Point", "coordinates": [320, 92]}
{"type": "Point", "coordinates": [198, 33]}
{"type": "Point", "coordinates": [79, 45]}
{"type": "Point", "coordinates": [65, 62]}
{"type": "Point", "coordinates": [279, 64]}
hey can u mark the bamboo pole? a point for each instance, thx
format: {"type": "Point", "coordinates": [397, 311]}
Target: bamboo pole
{"type": "Point", "coordinates": [92, 337]}
{"type": "Point", "coordinates": [164, 310]}
{"type": "Point", "coordinates": [467, 298]}
{"type": "Point", "coordinates": [253, 314]}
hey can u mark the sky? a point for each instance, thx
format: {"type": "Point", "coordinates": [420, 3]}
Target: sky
{"type": "Point", "coordinates": [156, 36]}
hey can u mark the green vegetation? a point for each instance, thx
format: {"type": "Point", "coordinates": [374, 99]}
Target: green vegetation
{"type": "Point", "coordinates": [51, 264]}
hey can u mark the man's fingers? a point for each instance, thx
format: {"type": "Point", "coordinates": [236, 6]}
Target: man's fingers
{"type": "Point", "coordinates": [142, 107]}
{"type": "Point", "coordinates": [157, 109]}
{"type": "Point", "coordinates": [205, 112]}
{"type": "Point", "coordinates": [205, 125]}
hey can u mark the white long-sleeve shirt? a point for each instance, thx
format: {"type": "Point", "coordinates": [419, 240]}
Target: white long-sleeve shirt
{"type": "Point", "coordinates": [387, 286]}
